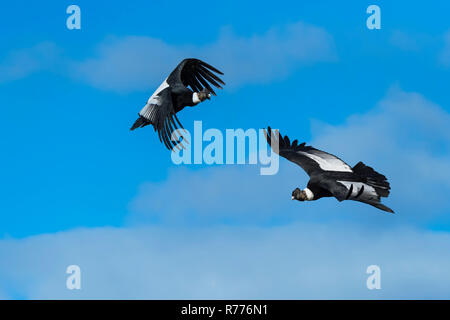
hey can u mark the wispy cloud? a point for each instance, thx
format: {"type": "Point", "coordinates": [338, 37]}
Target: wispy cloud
{"type": "Point", "coordinates": [135, 63]}
{"type": "Point", "coordinates": [24, 62]}
{"type": "Point", "coordinates": [445, 53]}
{"type": "Point", "coordinates": [430, 46]}
{"type": "Point", "coordinates": [404, 40]}
{"type": "Point", "coordinates": [213, 195]}
{"type": "Point", "coordinates": [128, 63]}
{"type": "Point", "coordinates": [272, 55]}
{"type": "Point", "coordinates": [309, 261]}
{"type": "Point", "coordinates": [132, 63]}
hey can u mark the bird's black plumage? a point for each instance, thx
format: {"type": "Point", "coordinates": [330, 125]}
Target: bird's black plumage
{"type": "Point", "coordinates": [176, 92]}
{"type": "Point", "coordinates": [329, 175]}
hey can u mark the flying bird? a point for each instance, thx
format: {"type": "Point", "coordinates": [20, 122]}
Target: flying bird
{"type": "Point", "coordinates": [187, 85]}
{"type": "Point", "coordinates": [329, 175]}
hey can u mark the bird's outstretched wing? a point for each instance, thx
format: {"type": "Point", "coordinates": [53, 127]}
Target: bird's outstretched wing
{"type": "Point", "coordinates": [160, 112]}
{"type": "Point", "coordinates": [310, 159]}
{"type": "Point", "coordinates": [196, 74]}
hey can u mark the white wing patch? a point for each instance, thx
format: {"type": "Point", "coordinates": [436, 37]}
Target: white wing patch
{"type": "Point", "coordinates": [146, 112]}
{"type": "Point", "coordinates": [368, 193]}
{"type": "Point", "coordinates": [328, 162]}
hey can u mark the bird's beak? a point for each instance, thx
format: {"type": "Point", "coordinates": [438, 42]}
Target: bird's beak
{"type": "Point", "coordinates": [292, 198]}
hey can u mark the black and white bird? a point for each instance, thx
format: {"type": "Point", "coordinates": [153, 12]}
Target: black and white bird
{"type": "Point", "coordinates": [173, 95]}
{"type": "Point", "coordinates": [329, 175]}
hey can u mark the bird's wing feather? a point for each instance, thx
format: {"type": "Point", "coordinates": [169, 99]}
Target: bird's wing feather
{"type": "Point", "coordinates": [310, 159]}
{"type": "Point", "coordinates": [354, 190]}
{"type": "Point", "coordinates": [325, 160]}
{"type": "Point", "coordinates": [349, 190]}
{"type": "Point", "coordinates": [196, 74]}
{"type": "Point", "coordinates": [160, 112]}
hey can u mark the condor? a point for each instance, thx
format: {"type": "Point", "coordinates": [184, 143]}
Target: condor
{"type": "Point", "coordinates": [173, 95]}
{"type": "Point", "coordinates": [329, 175]}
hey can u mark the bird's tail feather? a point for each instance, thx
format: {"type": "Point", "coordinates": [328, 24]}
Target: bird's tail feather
{"type": "Point", "coordinates": [373, 178]}
{"type": "Point", "coordinates": [139, 123]}
{"type": "Point", "coordinates": [381, 206]}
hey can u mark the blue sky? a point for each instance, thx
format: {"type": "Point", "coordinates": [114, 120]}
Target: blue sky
{"type": "Point", "coordinates": [78, 185]}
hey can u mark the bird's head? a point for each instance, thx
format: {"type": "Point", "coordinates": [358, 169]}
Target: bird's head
{"type": "Point", "coordinates": [204, 94]}
{"type": "Point", "coordinates": [299, 195]}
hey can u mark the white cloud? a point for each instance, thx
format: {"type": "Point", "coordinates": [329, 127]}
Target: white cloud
{"type": "Point", "coordinates": [3, 295]}
{"type": "Point", "coordinates": [404, 40]}
{"type": "Point", "coordinates": [438, 46]}
{"type": "Point", "coordinates": [413, 41]}
{"type": "Point", "coordinates": [128, 63]}
{"type": "Point", "coordinates": [135, 63]}
{"type": "Point", "coordinates": [24, 62]}
{"type": "Point", "coordinates": [212, 194]}
{"type": "Point", "coordinates": [138, 62]}
{"type": "Point", "coordinates": [273, 55]}
{"type": "Point", "coordinates": [309, 261]}
{"type": "Point", "coordinates": [445, 53]}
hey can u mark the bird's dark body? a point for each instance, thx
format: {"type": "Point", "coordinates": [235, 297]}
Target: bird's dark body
{"type": "Point", "coordinates": [314, 183]}
{"type": "Point", "coordinates": [181, 95]}
{"type": "Point", "coordinates": [318, 191]}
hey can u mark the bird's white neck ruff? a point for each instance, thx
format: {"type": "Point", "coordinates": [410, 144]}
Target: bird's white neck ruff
{"type": "Point", "coordinates": [309, 194]}
{"type": "Point", "coordinates": [195, 98]}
